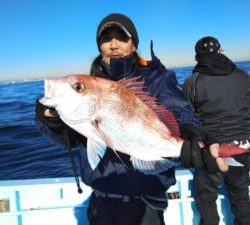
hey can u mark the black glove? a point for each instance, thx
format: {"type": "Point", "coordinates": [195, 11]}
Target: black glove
{"type": "Point", "coordinates": [53, 123]}
{"type": "Point", "coordinates": [209, 161]}
{"type": "Point", "coordinates": [191, 153]}
{"type": "Point", "coordinates": [190, 131]}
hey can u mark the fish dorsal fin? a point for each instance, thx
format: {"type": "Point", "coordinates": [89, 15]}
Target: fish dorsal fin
{"type": "Point", "coordinates": [136, 86]}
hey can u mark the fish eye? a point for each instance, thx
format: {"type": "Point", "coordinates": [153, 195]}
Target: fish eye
{"type": "Point", "coordinates": [79, 87]}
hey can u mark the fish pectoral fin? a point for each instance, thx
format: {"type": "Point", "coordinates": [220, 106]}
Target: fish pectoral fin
{"type": "Point", "coordinates": [232, 162]}
{"type": "Point", "coordinates": [101, 134]}
{"type": "Point", "coordinates": [95, 151]}
{"type": "Point", "coordinates": [152, 167]}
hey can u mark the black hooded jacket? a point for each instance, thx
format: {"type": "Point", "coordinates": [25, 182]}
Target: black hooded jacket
{"type": "Point", "coordinates": [219, 94]}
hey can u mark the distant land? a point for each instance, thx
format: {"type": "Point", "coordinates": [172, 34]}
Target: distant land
{"type": "Point", "coordinates": [41, 78]}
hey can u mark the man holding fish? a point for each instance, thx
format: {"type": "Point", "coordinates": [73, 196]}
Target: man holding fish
{"type": "Point", "coordinates": [125, 117]}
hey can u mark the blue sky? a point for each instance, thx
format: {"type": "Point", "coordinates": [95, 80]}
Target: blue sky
{"type": "Point", "coordinates": [44, 38]}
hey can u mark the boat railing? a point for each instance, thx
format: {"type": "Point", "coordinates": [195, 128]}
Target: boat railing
{"type": "Point", "coordinates": [56, 201]}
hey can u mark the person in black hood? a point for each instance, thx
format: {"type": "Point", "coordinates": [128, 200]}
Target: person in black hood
{"type": "Point", "coordinates": [121, 194]}
{"type": "Point", "coordinates": [210, 59]}
{"type": "Point", "coordinates": [218, 92]}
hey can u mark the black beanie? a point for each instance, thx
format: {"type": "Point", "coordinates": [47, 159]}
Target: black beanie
{"type": "Point", "coordinates": [207, 45]}
{"type": "Point", "coordinates": [121, 21]}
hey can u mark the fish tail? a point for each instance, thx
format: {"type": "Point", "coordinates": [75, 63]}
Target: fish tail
{"type": "Point", "coordinates": [231, 150]}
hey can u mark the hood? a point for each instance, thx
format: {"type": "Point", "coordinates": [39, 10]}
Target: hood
{"type": "Point", "coordinates": [215, 64]}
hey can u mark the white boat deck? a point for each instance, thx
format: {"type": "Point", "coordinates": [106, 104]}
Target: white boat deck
{"type": "Point", "coordinates": [56, 202]}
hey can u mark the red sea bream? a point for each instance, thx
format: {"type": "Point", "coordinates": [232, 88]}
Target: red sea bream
{"type": "Point", "coordinates": [121, 116]}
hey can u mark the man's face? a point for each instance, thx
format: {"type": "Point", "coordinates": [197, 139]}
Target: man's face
{"type": "Point", "coordinates": [114, 43]}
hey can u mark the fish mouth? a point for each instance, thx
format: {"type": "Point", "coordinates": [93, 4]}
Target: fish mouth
{"type": "Point", "coordinates": [44, 99]}
{"type": "Point", "coordinates": [47, 101]}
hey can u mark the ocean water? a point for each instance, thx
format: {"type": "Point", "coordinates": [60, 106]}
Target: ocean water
{"type": "Point", "coordinates": [24, 152]}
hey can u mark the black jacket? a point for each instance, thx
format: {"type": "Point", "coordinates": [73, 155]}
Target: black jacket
{"type": "Point", "coordinates": [219, 93]}
{"type": "Point", "coordinates": [111, 176]}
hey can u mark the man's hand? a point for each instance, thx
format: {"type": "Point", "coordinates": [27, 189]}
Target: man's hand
{"type": "Point", "coordinates": [48, 117]}
{"type": "Point", "coordinates": [50, 113]}
{"type": "Point", "coordinates": [214, 150]}
{"type": "Point", "coordinates": [200, 150]}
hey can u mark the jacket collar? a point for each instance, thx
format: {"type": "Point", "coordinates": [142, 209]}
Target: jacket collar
{"type": "Point", "coordinates": [125, 66]}
{"type": "Point", "coordinates": [118, 68]}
